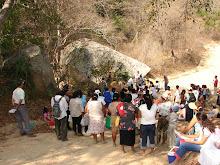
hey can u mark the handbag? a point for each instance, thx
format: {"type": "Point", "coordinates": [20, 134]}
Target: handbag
{"type": "Point", "coordinates": [108, 122]}
{"type": "Point", "coordinates": [117, 121]}
{"type": "Point", "coordinates": [85, 120]}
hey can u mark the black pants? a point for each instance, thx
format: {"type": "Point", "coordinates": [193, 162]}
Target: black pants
{"type": "Point", "coordinates": [189, 113]}
{"type": "Point", "coordinates": [67, 122]}
{"type": "Point", "coordinates": [76, 121]}
{"type": "Point", "coordinates": [61, 128]}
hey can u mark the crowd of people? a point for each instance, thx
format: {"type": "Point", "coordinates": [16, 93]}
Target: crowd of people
{"type": "Point", "coordinates": [138, 105]}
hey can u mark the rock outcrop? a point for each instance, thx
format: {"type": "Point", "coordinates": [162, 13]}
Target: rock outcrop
{"type": "Point", "coordinates": [40, 68]}
{"type": "Point", "coordinates": [80, 56]}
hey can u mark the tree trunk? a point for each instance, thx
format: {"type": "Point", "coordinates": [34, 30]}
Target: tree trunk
{"type": "Point", "coordinates": [4, 12]}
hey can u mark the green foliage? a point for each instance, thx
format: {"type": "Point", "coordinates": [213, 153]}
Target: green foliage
{"type": "Point", "coordinates": [2, 3]}
{"type": "Point", "coordinates": [29, 22]}
{"type": "Point", "coordinates": [19, 70]}
{"type": "Point", "coordinates": [22, 68]}
{"type": "Point", "coordinates": [49, 93]}
{"type": "Point", "coordinates": [121, 76]}
{"type": "Point", "coordinates": [211, 19]}
{"type": "Point", "coordinates": [102, 68]}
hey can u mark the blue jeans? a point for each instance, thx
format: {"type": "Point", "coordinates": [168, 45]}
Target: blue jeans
{"type": "Point", "coordinates": [187, 147]}
{"type": "Point", "coordinates": [148, 130]}
{"type": "Point", "coordinates": [177, 142]}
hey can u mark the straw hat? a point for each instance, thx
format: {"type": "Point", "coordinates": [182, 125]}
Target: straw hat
{"type": "Point", "coordinates": [192, 105]}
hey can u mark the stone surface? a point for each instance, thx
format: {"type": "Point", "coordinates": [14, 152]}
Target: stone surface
{"type": "Point", "coordinates": [80, 56]}
{"type": "Point", "coordinates": [40, 69]}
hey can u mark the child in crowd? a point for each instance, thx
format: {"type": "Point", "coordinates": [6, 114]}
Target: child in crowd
{"type": "Point", "coordinates": [183, 97]}
{"type": "Point", "coordinates": [173, 117]}
{"type": "Point", "coordinates": [107, 95]}
{"type": "Point", "coordinates": [168, 92]}
{"type": "Point", "coordinates": [177, 97]}
{"type": "Point", "coordinates": [46, 114]}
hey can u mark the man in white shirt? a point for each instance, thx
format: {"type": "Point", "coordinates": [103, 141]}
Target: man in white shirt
{"type": "Point", "coordinates": [60, 122]}
{"type": "Point", "coordinates": [76, 111]}
{"type": "Point", "coordinates": [130, 82]}
{"type": "Point", "coordinates": [164, 111]}
{"type": "Point", "coordinates": [18, 102]}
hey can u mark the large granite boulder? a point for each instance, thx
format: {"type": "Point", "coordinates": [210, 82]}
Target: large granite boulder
{"type": "Point", "coordinates": [80, 56]}
{"type": "Point", "coordinates": [40, 68]}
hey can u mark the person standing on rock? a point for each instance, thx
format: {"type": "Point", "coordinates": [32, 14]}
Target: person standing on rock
{"type": "Point", "coordinates": [18, 102]}
{"type": "Point", "coordinates": [215, 85]}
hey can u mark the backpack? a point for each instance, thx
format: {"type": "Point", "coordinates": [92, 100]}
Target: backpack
{"type": "Point", "coordinates": [56, 108]}
{"type": "Point", "coordinates": [192, 98]}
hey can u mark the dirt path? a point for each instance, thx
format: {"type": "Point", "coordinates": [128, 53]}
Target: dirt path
{"type": "Point", "coordinates": [205, 72]}
{"type": "Point", "coordinates": [46, 149]}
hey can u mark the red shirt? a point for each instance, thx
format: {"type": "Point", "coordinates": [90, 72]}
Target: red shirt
{"type": "Point", "coordinates": [216, 82]}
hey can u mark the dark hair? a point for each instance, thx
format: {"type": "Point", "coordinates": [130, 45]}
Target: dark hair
{"type": "Point", "coordinates": [148, 101]}
{"type": "Point", "coordinates": [79, 93]}
{"type": "Point", "coordinates": [177, 86]}
{"type": "Point", "coordinates": [45, 109]}
{"type": "Point", "coordinates": [122, 94]}
{"type": "Point", "coordinates": [204, 86]}
{"type": "Point", "coordinates": [133, 90]}
{"type": "Point", "coordinates": [183, 91]}
{"type": "Point", "coordinates": [62, 93]}
{"type": "Point", "coordinates": [147, 92]}
{"type": "Point", "coordinates": [124, 90]}
{"type": "Point", "coordinates": [206, 123]}
{"type": "Point", "coordinates": [19, 83]}
{"type": "Point", "coordinates": [115, 97]}
{"type": "Point", "coordinates": [157, 81]}
{"type": "Point", "coordinates": [168, 88]}
{"type": "Point", "coordinates": [65, 88]}
{"type": "Point", "coordinates": [106, 88]}
{"type": "Point", "coordinates": [75, 94]}
{"type": "Point", "coordinates": [128, 98]}
{"type": "Point", "coordinates": [95, 97]}
{"type": "Point", "coordinates": [113, 89]}
{"type": "Point", "coordinates": [130, 88]}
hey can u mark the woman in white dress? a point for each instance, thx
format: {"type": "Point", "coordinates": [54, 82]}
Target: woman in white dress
{"type": "Point", "coordinates": [96, 112]}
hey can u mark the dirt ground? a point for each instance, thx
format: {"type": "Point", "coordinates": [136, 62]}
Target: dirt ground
{"type": "Point", "coordinates": [45, 149]}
